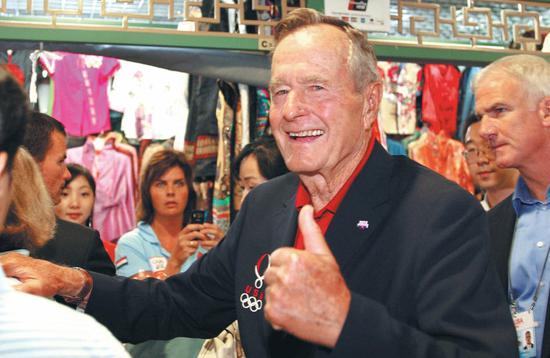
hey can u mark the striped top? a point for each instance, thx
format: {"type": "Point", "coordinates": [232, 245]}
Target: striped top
{"type": "Point", "coordinates": [32, 326]}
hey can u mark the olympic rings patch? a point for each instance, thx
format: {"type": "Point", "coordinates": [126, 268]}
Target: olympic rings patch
{"type": "Point", "coordinates": [251, 302]}
{"type": "Point", "coordinates": [252, 298]}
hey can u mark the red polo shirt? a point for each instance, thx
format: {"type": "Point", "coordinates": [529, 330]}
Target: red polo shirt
{"type": "Point", "coordinates": [324, 216]}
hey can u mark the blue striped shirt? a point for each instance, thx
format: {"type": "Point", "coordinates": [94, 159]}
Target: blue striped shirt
{"type": "Point", "coordinates": [35, 327]}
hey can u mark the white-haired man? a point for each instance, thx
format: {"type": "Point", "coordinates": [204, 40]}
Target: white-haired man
{"type": "Point", "coordinates": [513, 101]}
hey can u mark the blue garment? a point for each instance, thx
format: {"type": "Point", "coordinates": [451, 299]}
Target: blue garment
{"type": "Point", "coordinates": [466, 100]}
{"type": "Point", "coordinates": [140, 249]}
{"type": "Point", "coordinates": [32, 326]}
{"type": "Point", "coordinates": [396, 147]}
{"type": "Point", "coordinates": [529, 249]}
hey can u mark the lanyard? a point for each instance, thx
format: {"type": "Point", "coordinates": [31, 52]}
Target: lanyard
{"type": "Point", "coordinates": [536, 296]}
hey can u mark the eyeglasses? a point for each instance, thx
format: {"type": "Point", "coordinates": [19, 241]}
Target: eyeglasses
{"type": "Point", "coordinates": [472, 153]}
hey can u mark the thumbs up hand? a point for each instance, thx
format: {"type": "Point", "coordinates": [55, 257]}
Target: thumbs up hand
{"type": "Point", "coordinates": [306, 294]}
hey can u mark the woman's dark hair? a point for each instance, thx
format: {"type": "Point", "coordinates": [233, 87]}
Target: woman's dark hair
{"type": "Point", "coordinates": [270, 160]}
{"type": "Point", "coordinates": [157, 165]}
{"type": "Point", "coordinates": [76, 171]}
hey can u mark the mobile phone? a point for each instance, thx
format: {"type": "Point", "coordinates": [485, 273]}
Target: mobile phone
{"type": "Point", "coordinates": [198, 217]}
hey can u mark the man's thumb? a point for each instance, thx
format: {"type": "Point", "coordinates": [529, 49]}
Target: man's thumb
{"type": "Point", "coordinates": [314, 241]}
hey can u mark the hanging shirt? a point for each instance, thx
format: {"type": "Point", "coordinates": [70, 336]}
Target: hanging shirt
{"type": "Point", "coordinates": [22, 59]}
{"type": "Point", "coordinates": [114, 209]}
{"type": "Point", "coordinates": [201, 135]}
{"type": "Point", "coordinates": [153, 101]}
{"type": "Point", "coordinates": [408, 82]}
{"type": "Point", "coordinates": [466, 101]}
{"type": "Point", "coordinates": [262, 112]}
{"type": "Point", "coordinates": [396, 147]}
{"type": "Point", "coordinates": [227, 123]}
{"type": "Point", "coordinates": [440, 98]}
{"type": "Point", "coordinates": [444, 156]}
{"type": "Point", "coordinates": [80, 90]}
{"type": "Point", "coordinates": [389, 72]}
{"type": "Point", "coordinates": [530, 246]}
{"type": "Point", "coordinates": [15, 71]}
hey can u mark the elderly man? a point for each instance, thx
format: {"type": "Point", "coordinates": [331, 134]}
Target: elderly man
{"type": "Point", "coordinates": [32, 326]}
{"type": "Point", "coordinates": [513, 100]}
{"type": "Point", "coordinates": [496, 183]}
{"type": "Point", "coordinates": [404, 270]}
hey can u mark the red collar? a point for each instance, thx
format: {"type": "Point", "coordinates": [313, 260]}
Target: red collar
{"type": "Point", "coordinates": [303, 197]}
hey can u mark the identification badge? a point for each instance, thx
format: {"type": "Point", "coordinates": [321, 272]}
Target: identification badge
{"type": "Point", "coordinates": [158, 263]}
{"type": "Point", "coordinates": [525, 328]}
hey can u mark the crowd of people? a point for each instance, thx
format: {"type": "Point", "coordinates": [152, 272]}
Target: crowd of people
{"type": "Point", "coordinates": [339, 249]}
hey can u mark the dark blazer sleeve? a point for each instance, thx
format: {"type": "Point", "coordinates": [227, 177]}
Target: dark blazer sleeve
{"type": "Point", "coordinates": [461, 310]}
{"type": "Point", "coordinates": [198, 303]}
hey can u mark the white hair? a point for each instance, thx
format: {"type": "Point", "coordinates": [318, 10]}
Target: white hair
{"type": "Point", "coordinates": [532, 72]}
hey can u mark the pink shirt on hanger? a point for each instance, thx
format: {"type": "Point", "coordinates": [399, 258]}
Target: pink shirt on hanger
{"type": "Point", "coordinates": [80, 90]}
{"type": "Point", "coordinates": [114, 209]}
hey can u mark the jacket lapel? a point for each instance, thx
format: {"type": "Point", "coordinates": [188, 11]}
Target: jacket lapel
{"type": "Point", "coordinates": [363, 209]}
{"type": "Point", "coordinates": [502, 225]}
{"type": "Point", "coordinates": [285, 220]}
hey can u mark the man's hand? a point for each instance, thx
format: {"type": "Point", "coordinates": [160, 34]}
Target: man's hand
{"type": "Point", "coordinates": [306, 294]}
{"type": "Point", "coordinates": [41, 277]}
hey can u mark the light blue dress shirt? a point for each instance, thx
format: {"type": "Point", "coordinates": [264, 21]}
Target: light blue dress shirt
{"type": "Point", "coordinates": [529, 250]}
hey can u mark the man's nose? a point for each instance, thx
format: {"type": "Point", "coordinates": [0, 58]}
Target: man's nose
{"type": "Point", "coordinates": [487, 129]}
{"type": "Point", "coordinates": [294, 105]}
{"type": "Point", "coordinates": [66, 174]}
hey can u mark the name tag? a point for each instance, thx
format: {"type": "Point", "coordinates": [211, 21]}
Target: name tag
{"type": "Point", "coordinates": [158, 263]}
{"type": "Point", "coordinates": [525, 328]}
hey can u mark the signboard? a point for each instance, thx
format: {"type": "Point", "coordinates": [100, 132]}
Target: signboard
{"type": "Point", "coordinates": [366, 15]}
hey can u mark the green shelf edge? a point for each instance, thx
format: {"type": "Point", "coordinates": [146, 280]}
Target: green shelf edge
{"type": "Point", "coordinates": [142, 37]}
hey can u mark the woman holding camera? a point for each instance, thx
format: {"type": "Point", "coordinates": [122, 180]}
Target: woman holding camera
{"type": "Point", "coordinates": [164, 242]}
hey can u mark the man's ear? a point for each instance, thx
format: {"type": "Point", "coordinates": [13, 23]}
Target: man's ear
{"type": "Point", "coordinates": [372, 95]}
{"type": "Point", "coordinates": [544, 111]}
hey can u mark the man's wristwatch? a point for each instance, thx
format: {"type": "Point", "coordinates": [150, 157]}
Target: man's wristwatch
{"type": "Point", "coordinates": [81, 298]}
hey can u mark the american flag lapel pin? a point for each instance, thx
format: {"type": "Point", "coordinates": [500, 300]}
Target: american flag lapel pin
{"type": "Point", "coordinates": [363, 225]}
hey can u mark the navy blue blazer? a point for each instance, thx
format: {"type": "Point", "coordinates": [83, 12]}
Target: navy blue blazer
{"type": "Point", "coordinates": [412, 247]}
{"type": "Point", "coordinates": [502, 224]}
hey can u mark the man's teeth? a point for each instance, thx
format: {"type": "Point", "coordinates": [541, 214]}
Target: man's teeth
{"type": "Point", "coordinates": [313, 133]}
